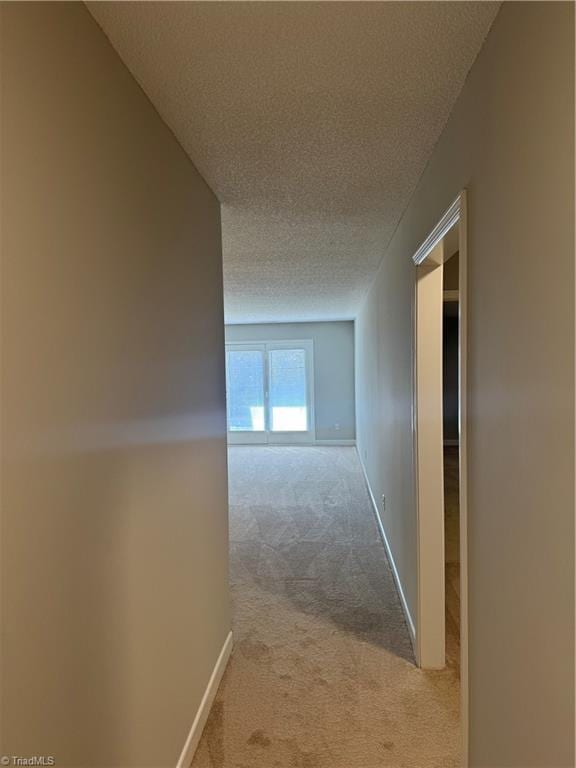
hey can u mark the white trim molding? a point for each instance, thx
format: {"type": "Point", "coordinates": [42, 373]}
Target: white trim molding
{"type": "Point", "coordinates": [195, 733]}
{"type": "Point", "coordinates": [429, 462]}
{"type": "Point", "coordinates": [390, 556]}
{"type": "Point", "coordinates": [446, 222]}
{"type": "Point", "coordinates": [311, 444]}
{"type": "Point", "coordinates": [325, 443]}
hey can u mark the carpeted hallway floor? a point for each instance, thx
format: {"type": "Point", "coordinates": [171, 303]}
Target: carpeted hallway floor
{"type": "Point", "coordinates": [322, 674]}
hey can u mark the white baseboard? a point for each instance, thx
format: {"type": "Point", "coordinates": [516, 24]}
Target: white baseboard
{"type": "Point", "coordinates": [335, 442]}
{"type": "Point", "coordinates": [322, 443]}
{"type": "Point", "coordinates": [403, 601]}
{"type": "Point", "coordinates": [205, 705]}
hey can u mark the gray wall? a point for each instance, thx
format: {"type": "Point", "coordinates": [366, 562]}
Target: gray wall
{"type": "Point", "coordinates": [114, 508]}
{"type": "Point", "coordinates": [333, 369]}
{"type": "Point", "coordinates": [509, 141]}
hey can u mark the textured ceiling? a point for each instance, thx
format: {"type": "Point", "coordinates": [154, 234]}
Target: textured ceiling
{"type": "Point", "coordinates": [312, 122]}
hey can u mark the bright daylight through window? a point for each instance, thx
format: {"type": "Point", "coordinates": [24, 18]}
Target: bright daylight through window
{"type": "Point", "coordinates": [269, 390]}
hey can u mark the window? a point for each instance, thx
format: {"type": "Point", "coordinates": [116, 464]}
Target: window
{"type": "Point", "coordinates": [288, 402]}
{"type": "Point", "coordinates": [270, 392]}
{"type": "Point", "coordinates": [245, 368]}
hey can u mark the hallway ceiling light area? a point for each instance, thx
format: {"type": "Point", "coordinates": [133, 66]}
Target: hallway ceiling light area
{"type": "Point", "coordinates": [312, 122]}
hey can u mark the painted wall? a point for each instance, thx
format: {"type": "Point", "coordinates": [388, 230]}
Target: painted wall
{"type": "Point", "coordinates": [333, 369]}
{"type": "Point", "coordinates": [114, 509]}
{"type": "Point", "coordinates": [509, 141]}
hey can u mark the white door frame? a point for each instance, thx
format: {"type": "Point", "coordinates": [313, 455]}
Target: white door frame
{"type": "Point", "coordinates": [430, 628]}
{"type": "Point", "coordinates": [268, 436]}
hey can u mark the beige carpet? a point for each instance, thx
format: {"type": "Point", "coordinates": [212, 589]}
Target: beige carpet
{"type": "Point", "coordinates": [322, 674]}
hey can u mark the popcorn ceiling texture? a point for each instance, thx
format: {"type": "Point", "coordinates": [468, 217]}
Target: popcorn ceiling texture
{"type": "Point", "coordinates": [311, 121]}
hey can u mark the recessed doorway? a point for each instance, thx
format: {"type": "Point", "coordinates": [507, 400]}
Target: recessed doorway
{"type": "Point", "coordinates": [440, 449]}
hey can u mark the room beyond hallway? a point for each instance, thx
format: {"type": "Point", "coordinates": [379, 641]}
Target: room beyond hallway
{"type": "Point", "coordinates": [322, 673]}
{"type": "Point", "coordinates": [452, 551]}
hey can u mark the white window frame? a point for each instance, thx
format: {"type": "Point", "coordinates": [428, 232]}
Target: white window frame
{"type": "Point", "coordinates": [268, 437]}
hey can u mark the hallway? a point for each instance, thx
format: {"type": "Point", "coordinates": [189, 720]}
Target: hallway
{"type": "Point", "coordinates": [322, 674]}
{"type": "Point", "coordinates": [217, 222]}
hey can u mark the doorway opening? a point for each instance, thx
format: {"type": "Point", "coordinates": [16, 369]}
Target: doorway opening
{"type": "Point", "coordinates": [440, 449]}
{"type": "Point", "coordinates": [450, 405]}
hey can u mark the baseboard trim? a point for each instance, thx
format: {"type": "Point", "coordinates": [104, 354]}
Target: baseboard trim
{"type": "Point", "coordinates": [403, 601]}
{"type": "Point", "coordinates": [335, 442]}
{"type": "Point", "coordinates": [205, 705]}
{"type": "Point", "coordinates": [308, 443]}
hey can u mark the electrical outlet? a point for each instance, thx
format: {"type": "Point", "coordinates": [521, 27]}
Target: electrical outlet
{"type": "Point", "coordinates": [383, 502]}
{"type": "Point", "coordinates": [337, 427]}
